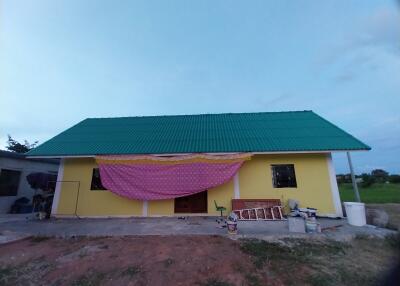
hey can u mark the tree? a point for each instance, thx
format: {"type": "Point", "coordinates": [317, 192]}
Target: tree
{"type": "Point", "coordinates": [340, 178]}
{"type": "Point", "coordinates": [15, 146]}
{"type": "Point", "coordinates": [395, 179]}
{"type": "Point", "coordinates": [367, 180]}
{"type": "Point", "coordinates": [380, 174]}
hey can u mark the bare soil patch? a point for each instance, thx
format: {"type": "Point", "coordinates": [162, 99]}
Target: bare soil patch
{"type": "Point", "coordinates": [193, 260]}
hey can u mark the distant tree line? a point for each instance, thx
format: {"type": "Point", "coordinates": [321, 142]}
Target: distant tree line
{"type": "Point", "coordinates": [367, 179]}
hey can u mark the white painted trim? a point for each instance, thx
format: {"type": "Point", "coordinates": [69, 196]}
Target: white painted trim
{"type": "Point", "coordinates": [236, 186]}
{"type": "Point", "coordinates": [334, 187]}
{"type": "Point", "coordinates": [216, 153]}
{"type": "Point", "coordinates": [60, 156]}
{"type": "Point", "coordinates": [145, 208]}
{"type": "Point", "coordinates": [57, 192]}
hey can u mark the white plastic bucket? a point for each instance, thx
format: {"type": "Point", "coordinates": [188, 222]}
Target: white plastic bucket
{"type": "Point", "coordinates": [311, 225]}
{"type": "Point", "coordinates": [355, 213]}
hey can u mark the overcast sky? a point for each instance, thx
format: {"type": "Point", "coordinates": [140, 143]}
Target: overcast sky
{"type": "Point", "coordinates": [63, 61]}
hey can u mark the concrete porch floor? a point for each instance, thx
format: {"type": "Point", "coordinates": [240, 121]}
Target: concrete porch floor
{"type": "Point", "coordinates": [19, 226]}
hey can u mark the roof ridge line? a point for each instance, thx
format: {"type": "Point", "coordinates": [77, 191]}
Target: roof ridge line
{"type": "Point", "coordinates": [201, 114]}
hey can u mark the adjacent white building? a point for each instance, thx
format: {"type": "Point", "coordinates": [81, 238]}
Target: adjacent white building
{"type": "Point", "coordinates": [14, 168]}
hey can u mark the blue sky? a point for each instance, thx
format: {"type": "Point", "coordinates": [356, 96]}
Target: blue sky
{"type": "Point", "coordinates": [63, 61]}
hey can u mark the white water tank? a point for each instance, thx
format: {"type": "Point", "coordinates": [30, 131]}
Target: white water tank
{"type": "Point", "coordinates": [355, 213]}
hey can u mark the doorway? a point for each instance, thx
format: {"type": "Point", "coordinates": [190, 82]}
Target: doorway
{"type": "Point", "coordinates": [196, 203]}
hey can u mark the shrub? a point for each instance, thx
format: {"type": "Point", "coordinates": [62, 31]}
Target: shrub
{"type": "Point", "coordinates": [394, 179]}
{"type": "Point", "coordinates": [367, 181]}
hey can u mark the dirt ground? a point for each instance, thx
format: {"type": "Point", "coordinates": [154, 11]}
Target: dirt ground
{"type": "Point", "coordinates": [194, 260]}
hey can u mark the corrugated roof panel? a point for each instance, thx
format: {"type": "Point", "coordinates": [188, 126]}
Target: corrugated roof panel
{"type": "Point", "coordinates": [230, 132]}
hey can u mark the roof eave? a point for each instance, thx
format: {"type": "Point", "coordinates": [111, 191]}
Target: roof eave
{"type": "Point", "coordinates": [214, 153]}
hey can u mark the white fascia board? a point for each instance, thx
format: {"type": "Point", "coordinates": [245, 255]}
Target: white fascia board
{"type": "Point", "coordinates": [216, 153]}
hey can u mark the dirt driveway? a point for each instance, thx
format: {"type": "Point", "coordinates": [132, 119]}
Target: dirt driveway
{"type": "Point", "coordinates": [194, 260]}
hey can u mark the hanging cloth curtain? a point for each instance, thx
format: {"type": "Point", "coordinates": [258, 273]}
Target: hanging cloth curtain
{"type": "Point", "coordinates": [157, 178]}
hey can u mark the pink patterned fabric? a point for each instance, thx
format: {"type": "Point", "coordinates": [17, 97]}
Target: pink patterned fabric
{"type": "Point", "coordinates": [141, 181]}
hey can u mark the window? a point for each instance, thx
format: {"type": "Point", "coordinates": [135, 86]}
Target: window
{"type": "Point", "coordinates": [283, 176]}
{"type": "Point", "coordinates": [96, 182]}
{"type": "Point", "coordinates": [9, 182]}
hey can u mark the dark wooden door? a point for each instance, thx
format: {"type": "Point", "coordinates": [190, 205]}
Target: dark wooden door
{"type": "Point", "coordinates": [196, 203]}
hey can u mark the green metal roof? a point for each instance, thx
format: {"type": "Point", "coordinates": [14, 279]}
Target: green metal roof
{"type": "Point", "coordinates": [230, 132]}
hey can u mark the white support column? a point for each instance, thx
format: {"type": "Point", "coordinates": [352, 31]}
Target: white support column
{"type": "Point", "coordinates": [353, 178]}
{"type": "Point", "coordinates": [145, 208]}
{"type": "Point", "coordinates": [334, 187]}
{"type": "Point", "coordinates": [236, 187]}
{"type": "Point", "coordinates": [57, 191]}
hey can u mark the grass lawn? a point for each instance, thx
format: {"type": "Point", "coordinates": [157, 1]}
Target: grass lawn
{"type": "Point", "coordinates": [196, 260]}
{"type": "Point", "coordinates": [376, 193]}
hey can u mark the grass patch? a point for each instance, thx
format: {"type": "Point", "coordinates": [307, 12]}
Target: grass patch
{"type": "Point", "coordinates": [93, 279]}
{"type": "Point", "coordinates": [291, 251]}
{"type": "Point", "coordinates": [39, 238]}
{"type": "Point", "coordinates": [253, 280]}
{"type": "Point", "coordinates": [308, 249]}
{"type": "Point", "coordinates": [131, 271]}
{"type": "Point", "coordinates": [351, 277]}
{"type": "Point", "coordinates": [323, 263]}
{"type": "Point", "coordinates": [393, 241]}
{"type": "Point", "coordinates": [377, 193]}
{"type": "Point", "coordinates": [342, 275]}
{"type": "Point", "coordinates": [5, 271]}
{"type": "Point", "coordinates": [320, 279]}
{"type": "Point", "coordinates": [263, 251]}
{"type": "Point", "coordinates": [25, 273]}
{"type": "Point", "coordinates": [215, 282]}
{"type": "Point", "coordinates": [361, 236]}
{"type": "Point", "coordinates": [6, 274]}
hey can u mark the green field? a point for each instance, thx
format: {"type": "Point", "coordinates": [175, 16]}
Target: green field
{"type": "Point", "coordinates": [376, 193]}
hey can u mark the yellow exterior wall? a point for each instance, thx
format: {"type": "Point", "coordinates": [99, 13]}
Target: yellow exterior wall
{"type": "Point", "coordinates": [222, 195]}
{"type": "Point", "coordinates": [312, 176]}
{"type": "Point", "coordinates": [90, 203]}
{"type": "Point", "coordinates": [255, 181]}
{"type": "Point", "coordinates": [161, 208]}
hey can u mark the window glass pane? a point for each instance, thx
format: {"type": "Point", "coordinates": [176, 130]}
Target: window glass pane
{"type": "Point", "coordinates": [9, 182]}
{"type": "Point", "coordinates": [284, 176]}
{"type": "Point", "coordinates": [96, 181]}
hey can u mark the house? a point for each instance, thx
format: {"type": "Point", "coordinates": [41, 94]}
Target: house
{"type": "Point", "coordinates": [184, 164]}
{"type": "Point", "coordinates": [14, 168]}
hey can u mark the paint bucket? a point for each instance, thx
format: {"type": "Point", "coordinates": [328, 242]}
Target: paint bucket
{"type": "Point", "coordinates": [232, 227]}
{"type": "Point", "coordinates": [311, 225]}
{"type": "Point", "coordinates": [355, 213]}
